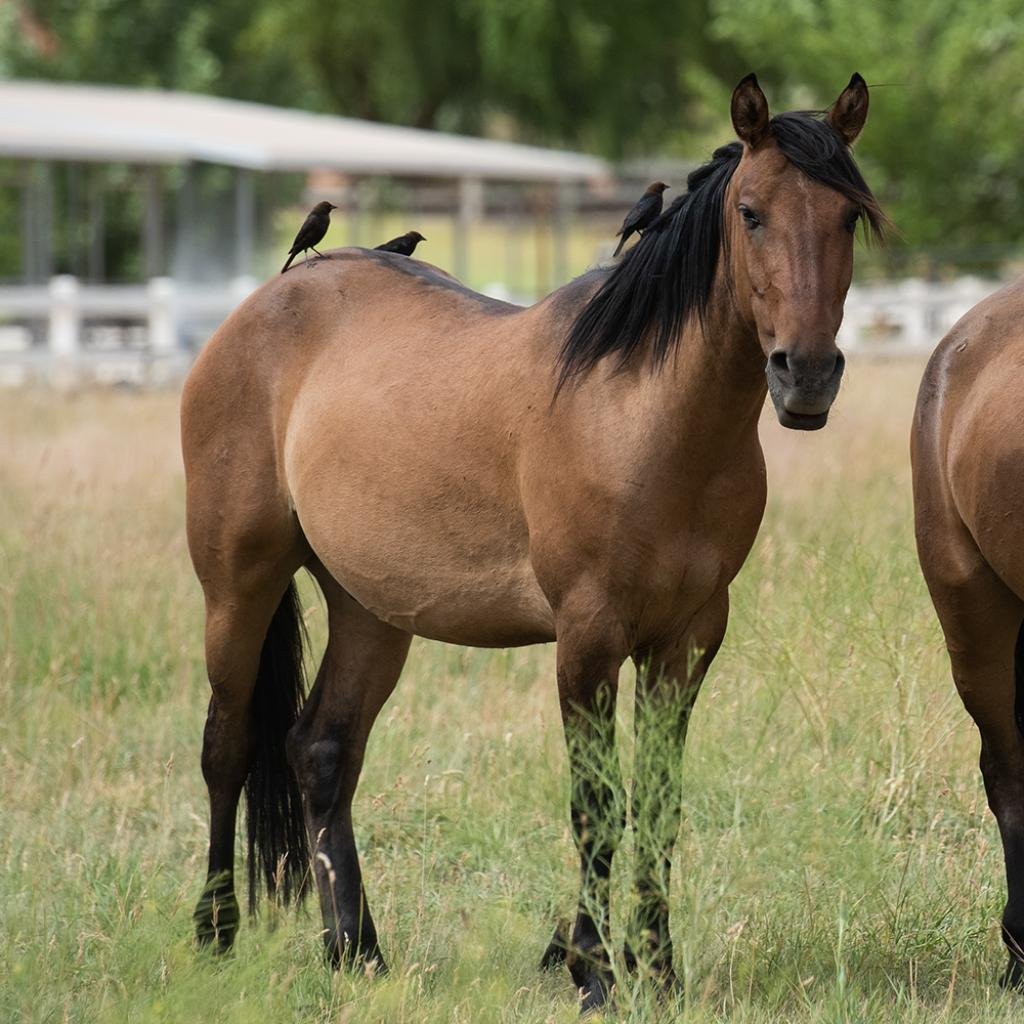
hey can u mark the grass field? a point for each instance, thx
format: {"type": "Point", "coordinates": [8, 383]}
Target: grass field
{"type": "Point", "coordinates": [837, 861]}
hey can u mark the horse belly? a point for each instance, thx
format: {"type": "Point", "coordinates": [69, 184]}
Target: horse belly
{"type": "Point", "coordinates": [423, 589]}
{"type": "Point", "coordinates": [429, 562]}
{"type": "Point", "coordinates": [401, 463]}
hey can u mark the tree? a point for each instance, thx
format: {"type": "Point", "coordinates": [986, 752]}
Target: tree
{"type": "Point", "coordinates": [621, 79]}
{"type": "Point", "coordinates": [942, 142]}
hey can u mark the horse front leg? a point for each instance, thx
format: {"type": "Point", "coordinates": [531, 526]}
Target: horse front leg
{"type": "Point", "coordinates": [669, 676]}
{"type": "Point", "coordinates": [588, 669]}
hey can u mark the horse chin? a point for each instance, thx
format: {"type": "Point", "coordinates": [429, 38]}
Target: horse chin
{"type": "Point", "coordinates": [802, 420]}
{"type": "Point", "coordinates": [801, 408]}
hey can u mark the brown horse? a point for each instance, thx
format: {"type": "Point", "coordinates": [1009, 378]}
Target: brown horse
{"type": "Point", "coordinates": [586, 471]}
{"type": "Point", "coordinates": [967, 449]}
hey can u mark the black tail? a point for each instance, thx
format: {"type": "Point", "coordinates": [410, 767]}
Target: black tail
{"type": "Point", "coordinates": [278, 846]}
{"type": "Point", "coordinates": [622, 242]}
{"type": "Point", "coordinates": [288, 262]}
{"type": "Point", "coordinates": [1018, 674]}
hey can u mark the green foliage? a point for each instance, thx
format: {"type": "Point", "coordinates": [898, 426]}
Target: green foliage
{"type": "Point", "coordinates": [621, 79]}
{"type": "Point", "coordinates": [601, 75]}
{"type": "Point", "coordinates": [194, 45]}
{"type": "Point", "coordinates": [597, 75]}
{"type": "Point", "coordinates": [942, 145]}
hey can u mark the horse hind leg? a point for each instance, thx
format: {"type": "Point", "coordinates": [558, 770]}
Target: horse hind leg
{"type": "Point", "coordinates": [1013, 838]}
{"type": "Point", "coordinates": [1002, 765]}
{"type": "Point", "coordinates": [254, 662]}
{"type": "Point", "coordinates": [359, 671]}
{"type": "Point", "coordinates": [983, 622]}
{"type": "Point", "coordinates": [246, 545]}
{"type": "Point", "coordinates": [246, 564]}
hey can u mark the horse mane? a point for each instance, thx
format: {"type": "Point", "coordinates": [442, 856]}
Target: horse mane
{"type": "Point", "coordinates": [667, 278]}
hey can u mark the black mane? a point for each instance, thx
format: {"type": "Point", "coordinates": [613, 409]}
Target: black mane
{"type": "Point", "coordinates": [667, 277]}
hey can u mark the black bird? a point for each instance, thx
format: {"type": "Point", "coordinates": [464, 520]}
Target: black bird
{"type": "Point", "coordinates": [312, 232]}
{"type": "Point", "coordinates": [642, 216]}
{"type": "Point", "coordinates": [405, 244]}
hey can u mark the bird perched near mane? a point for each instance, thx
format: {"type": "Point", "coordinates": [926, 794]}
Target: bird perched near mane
{"type": "Point", "coordinates": [312, 232]}
{"type": "Point", "coordinates": [643, 215]}
{"type": "Point", "coordinates": [405, 244]}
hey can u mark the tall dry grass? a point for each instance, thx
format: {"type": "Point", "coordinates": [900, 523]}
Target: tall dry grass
{"type": "Point", "coordinates": [836, 861]}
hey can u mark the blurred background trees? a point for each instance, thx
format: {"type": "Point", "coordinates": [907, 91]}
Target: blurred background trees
{"type": "Point", "coordinates": [645, 78]}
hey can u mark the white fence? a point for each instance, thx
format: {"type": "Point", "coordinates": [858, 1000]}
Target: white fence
{"type": "Point", "coordinates": [66, 332]}
{"type": "Point", "coordinates": [909, 316]}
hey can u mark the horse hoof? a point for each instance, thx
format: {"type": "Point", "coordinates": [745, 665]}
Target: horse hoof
{"type": "Point", "coordinates": [1013, 977]}
{"type": "Point", "coordinates": [666, 980]}
{"type": "Point", "coordinates": [592, 976]}
{"type": "Point", "coordinates": [658, 969]}
{"type": "Point", "coordinates": [594, 992]}
{"type": "Point", "coordinates": [554, 955]}
{"type": "Point", "coordinates": [216, 918]}
{"type": "Point", "coordinates": [589, 966]}
{"type": "Point", "coordinates": [361, 958]}
{"type": "Point", "coordinates": [371, 964]}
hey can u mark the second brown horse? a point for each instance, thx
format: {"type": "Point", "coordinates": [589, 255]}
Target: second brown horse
{"type": "Point", "coordinates": [968, 456]}
{"type": "Point", "coordinates": [587, 471]}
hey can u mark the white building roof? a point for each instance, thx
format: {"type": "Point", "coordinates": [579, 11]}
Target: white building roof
{"type": "Point", "coordinates": [58, 121]}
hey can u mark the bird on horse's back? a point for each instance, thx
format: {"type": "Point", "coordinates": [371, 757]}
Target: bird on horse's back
{"type": "Point", "coordinates": [585, 470]}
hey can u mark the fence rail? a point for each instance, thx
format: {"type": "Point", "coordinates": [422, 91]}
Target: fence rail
{"type": "Point", "coordinates": [67, 332]}
{"type": "Point", "coordinates": [908, 316]}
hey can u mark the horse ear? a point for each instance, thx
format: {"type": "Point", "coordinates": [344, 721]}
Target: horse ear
{"type": "Point", "coordinates": [850, 111]}
{"type": "Point", "coordinates": [750, 111]}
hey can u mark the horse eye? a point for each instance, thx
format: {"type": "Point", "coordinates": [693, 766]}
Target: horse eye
{"type": "Point", "coordinates": [750, 218]}
{"type": "Point", "coordinates": [851, 221]}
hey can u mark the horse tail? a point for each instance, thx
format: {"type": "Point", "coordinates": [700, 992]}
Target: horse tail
{"type": "Point", "coordinates": [278, 845]}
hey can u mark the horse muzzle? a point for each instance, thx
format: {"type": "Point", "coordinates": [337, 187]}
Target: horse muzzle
{"type": "Point", "coordinates": [803, 388]}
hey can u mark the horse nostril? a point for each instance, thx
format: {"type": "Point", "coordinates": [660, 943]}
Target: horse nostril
{"type": "Point", "coordinates": [779, 361]}
{"type": "Point", "coordinates": [801, 368]}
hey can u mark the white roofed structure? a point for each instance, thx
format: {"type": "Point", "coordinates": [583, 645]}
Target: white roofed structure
{"type": "Point", "coordinates": [142, 207]}
{"type": "Point", "coordinates": [57, 121]}
{"type": "Point", "coordinates": [46, 124]}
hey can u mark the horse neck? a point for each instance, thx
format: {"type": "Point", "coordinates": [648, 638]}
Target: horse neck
{"type": "Point", "coordinates": [714, 385]}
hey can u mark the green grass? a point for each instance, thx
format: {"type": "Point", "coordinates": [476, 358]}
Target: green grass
{"type": "Point", "coordinates": [836, 862]}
